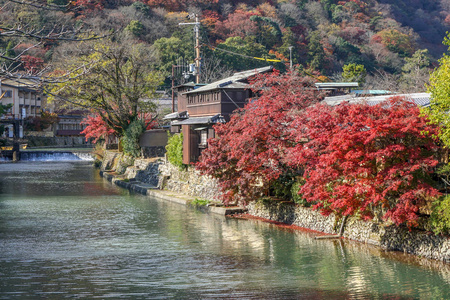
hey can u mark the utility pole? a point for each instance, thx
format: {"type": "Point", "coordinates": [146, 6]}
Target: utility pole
{"type": "Point", "coordinates": [173, 81]}
{"type": "Point", "coordinates": [197, 48]}
{"type": "Point", "coordinates": [290, 56]}
{"type": "Point", "coordinates": [197, 45]}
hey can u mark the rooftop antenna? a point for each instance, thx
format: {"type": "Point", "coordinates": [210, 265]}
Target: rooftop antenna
{"type": "Point", "coordinates": [196, 24]}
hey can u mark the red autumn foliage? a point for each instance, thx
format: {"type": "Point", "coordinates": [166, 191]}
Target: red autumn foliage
{"type": "Point", "coordinates": [149, 120]}
{"type": "Point", "coordinates": [247, 154]}
{"type": "Point", "coordinates": [96, 128]}
{"type": "Point", "coordinates": [32, 64]}
{"type": "Point", "coordinates": [237, 24]}
{"type": "Point", "coordinates": [90, 5]}
{"type": "Point", "coordinates": [361, 159]}
{"type": "Point", "coordinates": [359, 3]}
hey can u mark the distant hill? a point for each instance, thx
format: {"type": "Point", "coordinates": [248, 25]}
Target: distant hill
{"type": "Point", "coordinates": [321, 35]}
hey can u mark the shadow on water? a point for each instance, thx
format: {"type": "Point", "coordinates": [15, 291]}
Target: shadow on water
{"type": "Point", "coordinates": [66, 232]}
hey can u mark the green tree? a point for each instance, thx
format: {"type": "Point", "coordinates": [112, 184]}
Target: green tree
{"type": "Point", "coordinates": [290, 41]}
{"type": "Point", "coordinates": [245, 46]}
{"type": "Point", "coordinates": [316, 54]}
{"type": "Point", "coordinates": [416, 70]}
{"type": "Point", "coordinates": [170, 49]}
{"type": "Point", "coordinates": [3, 110]}
{"type": "Point", "coordinates": [396, 41]}
{"type": "Point", "coordinates": [130, 141]}
{"type": "Point", "coordinates": [174, 150]}
{"type": "Point", "coordinates": [354, 72]}
{"type": "Point", "coordinates": [114, 82]}
{"type": "Point", "coordinates": [135, 27]}
{"type": "Point", "coordinates": [269, 33]}
{"type": "Point", "coordinates": [439, 88]}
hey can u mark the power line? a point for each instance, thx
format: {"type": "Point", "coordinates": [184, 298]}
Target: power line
{"type": "Point", "coordinates": [243, 55]}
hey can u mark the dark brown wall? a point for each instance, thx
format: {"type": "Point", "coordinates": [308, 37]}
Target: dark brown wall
{"type": "Point", "coordinates": [181, 99]}
{"type": "Point", "coordinates": [215, 102]}
{"type": "Point", "coordinates": [154, 138]}
{"type": "Point", "coordinates": [190, 145]}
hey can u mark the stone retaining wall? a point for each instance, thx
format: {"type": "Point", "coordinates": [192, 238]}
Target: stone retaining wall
{"type": "Point", "coordinates": [59, 141]}
{"type": "Point", "coordinates": [144, 170]}
{"type": "Point", "coordinates": [188, 182]}
{"type": "Point", "coordinates": [389, 237]}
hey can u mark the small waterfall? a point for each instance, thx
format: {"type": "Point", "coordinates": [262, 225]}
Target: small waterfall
{"type": "Point", "coordinates": [55, 156]}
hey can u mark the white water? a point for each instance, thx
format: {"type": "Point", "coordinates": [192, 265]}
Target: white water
{"type": "Point", "coordinates": [55, 156]}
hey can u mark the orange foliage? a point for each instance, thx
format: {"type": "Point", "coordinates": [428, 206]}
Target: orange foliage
{"type": "Point", "coordinates": [210, 18]}
{"type": "Point", "coordinates": [278, 55]}
{"type": "Point", "coordinates": [395, 41]}
{"type": "Point", "coordinates": [266, 10]}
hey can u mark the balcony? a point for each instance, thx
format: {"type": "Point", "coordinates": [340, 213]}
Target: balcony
{"type": "Point", "coordinates": [68, 132]}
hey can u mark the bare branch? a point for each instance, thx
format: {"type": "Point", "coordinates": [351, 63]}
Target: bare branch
{"type": "Point", "coordinates": [45, 6]}
{"type": "Point", "coordinates": [52, 35]}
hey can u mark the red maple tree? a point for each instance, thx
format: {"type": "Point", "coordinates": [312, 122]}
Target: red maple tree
{"type": "Point", "coordinates": [96, 128]}
{"type": "Point", "coordinates": [32, 64]}
{"type": "Point", "coordinates": [361, 159]}
{"type": "Point", "coordinates": [247, 154]}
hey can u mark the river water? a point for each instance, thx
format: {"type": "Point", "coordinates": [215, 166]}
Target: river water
{"type": "Point", "coordinates": [67, 233]}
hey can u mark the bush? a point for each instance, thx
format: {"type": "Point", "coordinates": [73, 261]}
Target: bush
{"type": "Point", "coordinates": [130, 140]}
{"type": "Point", "coordinates": [200, 202]}
{"type": "Point", "coordinates": [281, 188]}
{"type": "Point", "coordinates": [135, 27]}
{"type": "Point", "coordinates": [174, 150]}
{"type": "Point", "coordinates": [97, 163]}
{"type": "Point", "coordinates": [296, 197]}
{"type": "Point", "coordinates": [440, 215]}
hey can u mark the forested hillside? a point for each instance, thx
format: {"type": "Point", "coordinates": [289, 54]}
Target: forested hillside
{"type": "Point", "coordinates": [397, 42]}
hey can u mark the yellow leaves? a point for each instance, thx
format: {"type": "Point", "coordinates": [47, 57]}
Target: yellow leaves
{"type": "Point", "coordinates": [177, 17]}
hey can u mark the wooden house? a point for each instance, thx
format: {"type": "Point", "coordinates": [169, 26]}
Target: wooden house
{"type": "Point", "coordinates": [200, 107]}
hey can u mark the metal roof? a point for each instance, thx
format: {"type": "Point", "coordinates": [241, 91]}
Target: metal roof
{"type": "Point", "coordinates": [233, 81]}
{"type": "Point", "coordinates": [372, 92]}
{"type": "Point", "coordinates": [190, 84]}
{"type": "Point", "coordinates": [176, 115]}
{"type": "Point", "coordinates": [22, 84]}
{"type": "Point", "coordinates": [421, 99]}
{"type": "Point", "coordinates": [336, 85]}
{"type": "Point", "coordinates": [200, 120]}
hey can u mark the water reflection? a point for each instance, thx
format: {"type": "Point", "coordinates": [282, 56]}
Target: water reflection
{"type": "Point", "coordinates": [65, 232]}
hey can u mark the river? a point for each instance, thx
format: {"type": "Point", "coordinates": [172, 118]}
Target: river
{"type": "Point", "coordinates": [67, 233]}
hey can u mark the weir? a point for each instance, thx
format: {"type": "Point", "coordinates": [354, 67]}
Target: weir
{"type": "Point", "coordinates": [48, 156]}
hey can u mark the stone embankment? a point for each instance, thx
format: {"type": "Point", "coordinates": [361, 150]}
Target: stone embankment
{"type": "Point", "coordinates": [150, 176]}
{"type": "Point", "coordinates": [144, 176]}
{"type": "Point", "coordinates": [386, 236]}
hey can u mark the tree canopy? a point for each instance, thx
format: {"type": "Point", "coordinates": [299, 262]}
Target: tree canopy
{"type": "Point", "coordinates": [365, 160]}
{"type": "Point", "coordinates": [115, 82]}
{"type": "Point", "coordinates": [350, 159]}
{"type": "Point", "coordinates": [440, 96]}
{"type": "Point", "coordinates": [247, 154]}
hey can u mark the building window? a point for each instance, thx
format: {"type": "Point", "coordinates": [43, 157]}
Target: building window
{"type": "Point", "coordinates": [203, 137]}
{"type": "Point", "coordinates": [8, 94]}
